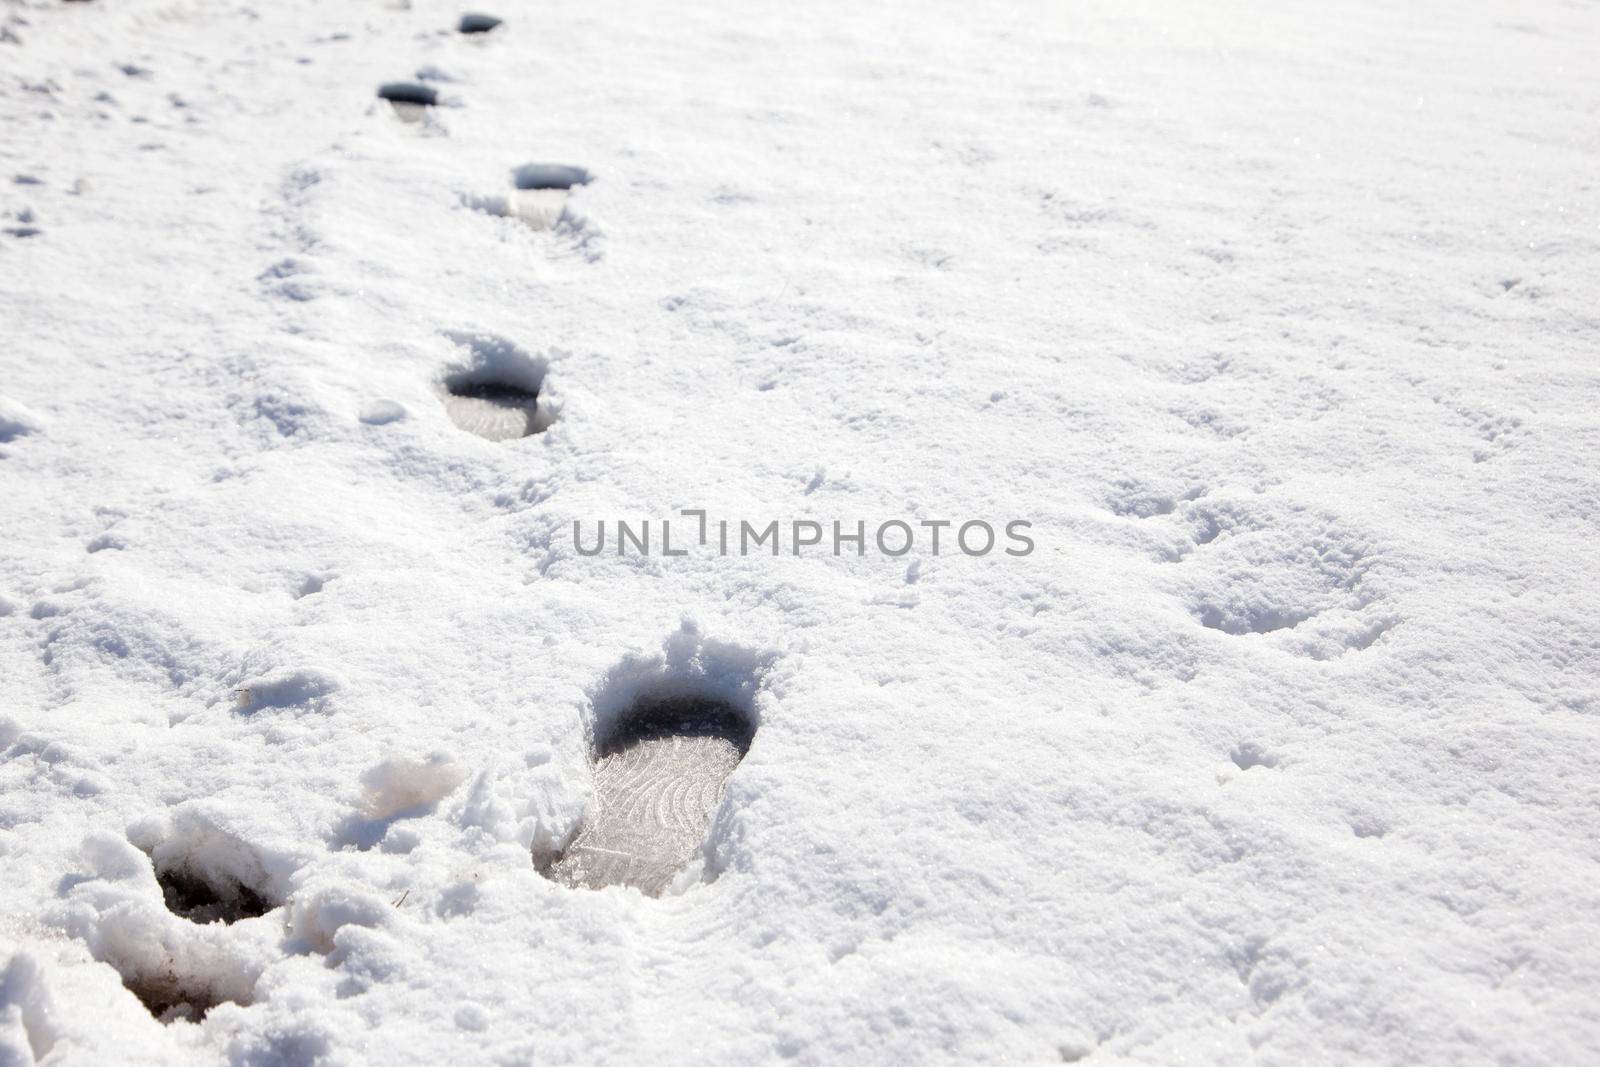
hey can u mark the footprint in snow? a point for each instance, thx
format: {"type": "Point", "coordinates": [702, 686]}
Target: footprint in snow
{"type": "Point", "coordinates": [473, 22]}
{"type": "Point", "coordinates": [184, 991]}
{"type": "Point", "coordinates": [410, 100]}
{"type": "Point", "coordinates": [658, 777]}
{"type": "Point", "coordinates": [495, 392]}
{"type": "Point", "coordinates": [191, 895]}
{"type": "Point", "coordinates": [206, 878]}
{"type": "Point", "coordinates": [538, 195]}
{"type": "Point", "coordinates": [495, 411]}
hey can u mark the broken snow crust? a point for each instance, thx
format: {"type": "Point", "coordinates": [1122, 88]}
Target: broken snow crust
{"type": "Point", "coordinates": [1278, 322]}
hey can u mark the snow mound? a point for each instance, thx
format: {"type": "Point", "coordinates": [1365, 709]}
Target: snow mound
{"type": "Point", "coordinates": [16, 420]}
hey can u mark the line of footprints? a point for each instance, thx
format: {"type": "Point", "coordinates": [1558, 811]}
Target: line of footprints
{"type": "Point", "coordinates": [660, 772]}
{"type": "Point", "coordinates": [499, 401]}
{"type": "Point", "coordinates": [659, 767]}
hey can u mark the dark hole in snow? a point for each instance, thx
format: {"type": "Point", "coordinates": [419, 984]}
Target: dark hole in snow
{"type": "Point", "coordinates": [168, 993]}
{"type": "Point", "coordinates": [538, 196]}
{"type": "Point", "coordinates": [685, 717]}
{"type": "Point", "coordinates": [410, 100]}
{"type": "Point", "coordinates": [531, 176]}
{"type": "Point", "coordinates": [170, 998]}
{"type": "Point", "coordinates": [472, 22]}
{"type": "Point", "coordinates": [504, 394]}
{"type": "Point", "coordinates": [409, 93]}
{"type": "Point", "coordinates": [493, 408]}
{"type": "Point", "coordinates": [191, 897]}
{"type": "Point", "coordinates": [658, 778]}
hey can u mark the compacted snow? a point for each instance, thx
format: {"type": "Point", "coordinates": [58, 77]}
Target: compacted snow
{"type": "Point", "coordinates": [1265, 339]}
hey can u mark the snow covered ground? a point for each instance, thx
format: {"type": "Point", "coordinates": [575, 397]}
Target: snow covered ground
{"type": "Point", "coordinates": [1280, 323]}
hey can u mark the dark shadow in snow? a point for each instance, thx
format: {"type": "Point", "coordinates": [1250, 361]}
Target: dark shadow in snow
{"type": "Point", "coordinates": [172, 991]}
{"type": "Point", "coordinates": [495, 411]}
{"type": "Point", "coordinates": [496, 395]}
{"type": "Point", "coordinates": [410, 100]}
{"type": "Point", "coordinates": [548, 176]}
{"type": "Point", "coordinates": [681, 717]}
{"type": "Point", "coordinates": [538, 197]}
{"type": "Point", "coordinates": [192, 897]}
{"type": "Point", "coordinates": [170, 998]}
{"type": "Point", "coordinates": [472, 22]}
{"type": "Point", "coordinates": [409, 93]}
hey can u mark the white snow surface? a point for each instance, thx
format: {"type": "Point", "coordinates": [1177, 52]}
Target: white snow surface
{"type": "Point", "coordinates": [1278, 322]}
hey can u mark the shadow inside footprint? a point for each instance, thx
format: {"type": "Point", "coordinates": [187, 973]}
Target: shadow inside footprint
{"type": "Point", "coordinates": [191, 897]}
{"type": "Point", "coordinates": [534, 176]}
{"type": "Point", "coordinates": [658, 777]}
{"type": "Point", "coordinates": [174, 991]}
{"type": "Point", "coordinates": [539, 194]}
{"type": "Point", "coordinates": [169, 998]}
{"type": "Point", "coordinates": [495, 393]}
{"type": "Point", "coordinates": [473, 22]}
{"type": "Point", "coordinates": [410, 100]}
{"type": "Point", "coordinates": [496, 411]}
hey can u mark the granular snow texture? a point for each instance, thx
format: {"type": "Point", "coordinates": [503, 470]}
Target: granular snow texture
{"type": "Point", "coordinates": [1278, 323]}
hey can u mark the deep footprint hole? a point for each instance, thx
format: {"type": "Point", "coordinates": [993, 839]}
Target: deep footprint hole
{"type": "Point", "coordinates": [531, 177]}
{"type": "Point", "coordinates": [192, 897]}
{"type": "Point", "coordinates": [496, 394]}
{"type": "Point", "coordinates": [408, 93]}
{"type": "Point", "coordinates": [657, 720]}
{"type": "Point", "coordinates": [171, 993]}
{"type": "Point", "coordinates": [474, 22]}
{"type": "Point", "coordinates": [168, 997]}
{"type": "Point", "coordinates": [659, 773]}
{"type": "Point", "coordinates": [538, 195]}
{"type": "Point", "coordinates": [494, 408]}
{"type": "Point", "coordinates": [410, 100]}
